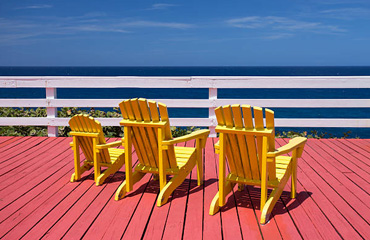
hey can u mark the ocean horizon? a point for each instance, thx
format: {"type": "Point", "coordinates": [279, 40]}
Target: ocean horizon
{"type": "Point", "coordinates": [157, 93]}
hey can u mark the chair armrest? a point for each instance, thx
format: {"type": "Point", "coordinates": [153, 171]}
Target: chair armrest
{"type": "Point", "coordinates": [217, 147]}
{"type": "Point", "coordinates": [293, 144]}
{"type": "Point", "coordinates": [110, 145]}
{"type": "Point", "coordinates": [194, 135]}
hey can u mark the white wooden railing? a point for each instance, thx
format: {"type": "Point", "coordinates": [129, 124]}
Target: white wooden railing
{"type": "Point", "coordinates": [51, 102]}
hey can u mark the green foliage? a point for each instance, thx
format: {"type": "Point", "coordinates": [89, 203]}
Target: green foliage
{"type": "Point", "coordinates": [312, 134]}
{"type": "Point", "coordinates": [181, 131]}
{"type": "Point", "coordinates": [108, 131]}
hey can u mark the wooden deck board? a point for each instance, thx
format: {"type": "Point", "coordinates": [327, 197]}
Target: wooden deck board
{"type": "Point", "coordinates": [37, 199]}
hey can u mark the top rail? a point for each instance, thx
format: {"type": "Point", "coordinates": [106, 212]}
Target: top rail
{"type": "Point", "coordinates": [52, 83]}
{"type": "Point", "coordinates": [186, 82]}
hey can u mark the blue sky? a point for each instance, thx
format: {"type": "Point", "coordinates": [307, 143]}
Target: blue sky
{"type": "Point", "coordinates": [184, 33]}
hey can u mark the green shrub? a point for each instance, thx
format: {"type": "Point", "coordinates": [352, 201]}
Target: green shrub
{"type": "Point", "coordinates": [109, 131]}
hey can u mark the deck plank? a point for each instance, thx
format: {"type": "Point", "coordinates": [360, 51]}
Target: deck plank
{"type": "Point", "coordinates": [34, 167]}
{"type": "Point", "coordinates": [326, 184]}
{"type": "Point", "coordinates": [332, 200]}
{"type": "Point", "coordinates": [212, 224]}
{"type": "Point", "coordinates": [193, 226]}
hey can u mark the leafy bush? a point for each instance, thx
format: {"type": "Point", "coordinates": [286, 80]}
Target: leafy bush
{"type": "Point", "coordinates": [109, 131]}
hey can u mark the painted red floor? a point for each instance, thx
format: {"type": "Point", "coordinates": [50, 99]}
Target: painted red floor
{"type": "Point", "coordinates": [38, 201]}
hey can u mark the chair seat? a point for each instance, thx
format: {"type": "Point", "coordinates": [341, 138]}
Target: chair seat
{"type": "Point", "coordinates": [282, 163]}
{"type": "Point", "coordinates": [115, 153]}
{"type": "Point", "coordinates": [182, 155]}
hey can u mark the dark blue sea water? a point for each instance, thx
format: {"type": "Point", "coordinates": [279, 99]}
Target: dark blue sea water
{"type": "Point", "coordinates": [121, 93]}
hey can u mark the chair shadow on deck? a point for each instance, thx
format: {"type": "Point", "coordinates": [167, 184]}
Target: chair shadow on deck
{"type": "Point", "coordinates": [189, 186]}
{"type": "Point", "coordinates": [250, 198]}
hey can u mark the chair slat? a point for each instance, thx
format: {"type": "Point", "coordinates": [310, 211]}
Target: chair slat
{"type": "Point", "coordinates": [143, 133]}
{"type": "Point", "coordinates": [258, 123]}
{"type": "Point", "coordinates": [153, 111]}
{"type": "Point", "coordinates": [152, 137]}
{"type": "Point", "coordinates": [233, 152]}
{"type": "Point", "coordinates": [168, 135]}
{"type": "Point", "coordinates": [241, 141]}
{"type": "Point", "coordinates": [123, 110]}
{"type": "Point", "coordinates": [129, 110]}
{"type": "Point", "coordinates": [251, 143]}
{"type": "Point", "coordinates": [270, 124]}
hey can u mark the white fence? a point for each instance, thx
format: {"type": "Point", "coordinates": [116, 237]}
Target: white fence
{"type": "Point", "coordinates": [51, 102]}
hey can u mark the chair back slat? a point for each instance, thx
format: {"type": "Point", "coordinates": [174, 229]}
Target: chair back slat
{"type": "Point", "coordinates": [251, 142]}
{"type": "Point", "coordinates": [233, 140]}
{"type": "Point", "coordinates": [244, 151]}
{"type": "Point", "coordinates": [85, 124]}
{"type": "Point", "coordinates": [145, 138]}
{"type": "Point", "coordinates": [270, 124]}
{"type": "Point", "coordinates": [258, 124]}
{"type": "Point", "coordinates": [170, 153]}
{"type": "Point", "coordinates": [229, 154]}
{"type": "Point", "coordinates": [151, 132]}
{"type": "Point", "coordinates": [143, 133]}
{"type": "Point", "coordinates": [242, 144]}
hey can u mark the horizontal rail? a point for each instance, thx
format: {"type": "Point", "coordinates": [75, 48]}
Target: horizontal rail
{"type": "Point", "coordinates": [51, 102]}
{"type": "Point", "coordinates": [199, 122]}
{"type": "Point", "coordinates": [186, 82]}
{"type": "Point", "coordinates": [191, 103]}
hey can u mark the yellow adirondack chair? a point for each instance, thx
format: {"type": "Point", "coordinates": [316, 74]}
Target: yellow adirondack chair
{"type": "Point", "coordinates": [149, 131]}
{"type": "Point", "coordinates": [253, 160]}
{"type": "Point", "coordinates": [88, 135]}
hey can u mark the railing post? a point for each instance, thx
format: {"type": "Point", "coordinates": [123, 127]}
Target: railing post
{"type": "Point", "coordinates": [51, 93]}
{"type": "Point", "coordinates": [211, 111]}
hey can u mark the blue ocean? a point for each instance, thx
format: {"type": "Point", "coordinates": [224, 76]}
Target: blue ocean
{"type": "Point", "coordinates": [124, 93]}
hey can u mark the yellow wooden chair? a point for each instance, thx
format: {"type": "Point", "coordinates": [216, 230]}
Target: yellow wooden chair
{"type": "Point", "coordinates": [88, 135]}
{"type": "Point", "coordinates": [251, 155]}
{"type": "Point", "coordinates": [149, 131]}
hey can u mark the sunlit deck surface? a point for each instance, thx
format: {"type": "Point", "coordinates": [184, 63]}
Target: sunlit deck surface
{"type": "Point", "coordinates": [38, 201]}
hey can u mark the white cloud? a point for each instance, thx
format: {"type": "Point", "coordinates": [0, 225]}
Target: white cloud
{"type": "Point", "coordinates": [282, 23]}
{"type": "Point", "coordinates": [36, 6]}
{"type": "Point", "coordinates": [346, 13]}
{"type": "Point", "coordinates": [157, 24]}
{"type": "Point", "coordinates": [161, 6]}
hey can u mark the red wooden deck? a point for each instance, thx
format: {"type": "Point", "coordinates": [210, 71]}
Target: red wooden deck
{"type": "Point", "coordinates": [38, 201]}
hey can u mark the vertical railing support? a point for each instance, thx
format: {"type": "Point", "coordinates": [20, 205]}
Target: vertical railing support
{"type": "Point", "coordinates": [211, 111]}
{"type": "Point", "coordinates": [51, 93]}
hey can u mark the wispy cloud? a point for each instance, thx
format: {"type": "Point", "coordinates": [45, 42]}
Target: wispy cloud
{"type": "Point", "coordinates": [346, 13]}
{"type": "Point", "coordinates": [161, 6]}
{"type": "Point", "coordinates": [36, 6]}
{"type": "Point", "coordinates": [40, 27]}
{"type": "Point", "coordinates": [157, 24]}
{"type": "Point", "coordinates": [282, 23]}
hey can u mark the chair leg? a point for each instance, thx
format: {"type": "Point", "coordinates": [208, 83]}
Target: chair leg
{"type": "Point", "coordinates": [199, 167]}
{"type": "Point", "coordinates": [121, 191]}
{"type": "Point", "coordinates": [79, 171]}
{"type": "Point", "coordinates": [111, 170]}
{"type": "Point", "coordinates": [215, 206]}
{"type": "Point", "coordinates": [273, 198]}
{"type": "Point", "coordinates": [293, 190]}
{"type": "Point", "coordinates": [170, 187]}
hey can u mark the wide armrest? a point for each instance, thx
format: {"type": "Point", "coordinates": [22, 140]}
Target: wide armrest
{"type": "Point", "coordinates": [294, 143]}
{"type": "Point", "coordinates": [194, 135]}
{"type": "Point", "coordinates": [217, 147]}
{"type": "Point", "coordinates": [110, 145]}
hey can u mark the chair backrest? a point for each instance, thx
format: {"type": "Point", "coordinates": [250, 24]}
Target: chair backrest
{"type": "Point", "coordinates": [244, 138]}
{"type": "Point", "coordinates": [145, 134]}
{"type": "Point", "coordinates": [83, 123]}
